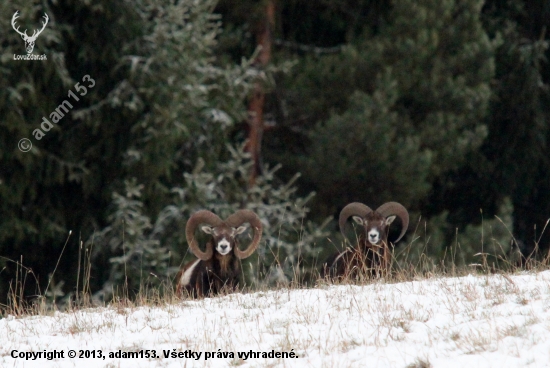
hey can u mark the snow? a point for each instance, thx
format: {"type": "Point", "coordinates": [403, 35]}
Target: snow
{"type": "Point", "coordinates": [473, 321]}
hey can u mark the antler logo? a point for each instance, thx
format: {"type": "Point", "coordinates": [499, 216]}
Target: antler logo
{"type": "Point", "coordinates": [29, 40]}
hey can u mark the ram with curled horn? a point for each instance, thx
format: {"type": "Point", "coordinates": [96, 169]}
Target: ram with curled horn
{"type": "Point", "coordinates": [371, 256]}
{"type": "Point", "coordinates": [219, 265]}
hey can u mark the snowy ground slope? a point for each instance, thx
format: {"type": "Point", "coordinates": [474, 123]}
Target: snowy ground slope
{"type": "Point", "coordinates": [495, 321]}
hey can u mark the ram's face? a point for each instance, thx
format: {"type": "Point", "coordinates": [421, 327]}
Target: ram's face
{"type": "Point", "coordinates": [224, 237]}
{"type": "Point", "coordinates": [375, 226]}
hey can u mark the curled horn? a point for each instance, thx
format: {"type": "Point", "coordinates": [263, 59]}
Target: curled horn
{"type": "Point", "coordinates": [200, 217]}
{"type": "Point", "coordinates": [355, 208]}
{"type": "Point", "coordinates": [237, 219]}
{"type": "Point", "coordinates": [394, 208]}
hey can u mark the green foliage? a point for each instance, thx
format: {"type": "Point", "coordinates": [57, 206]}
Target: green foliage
{"type": "Point", "coordinates": [361, 155]}
{"type": "Point", "coordinates": [162, 100]}
{"type": "Point", "coordinates": [288, 237]}
{"type": "Point", "coordinates": [57, 186]}
{"type": "Point", "coordinates": [146, 246]}
{"type": "Point", "coordinates": [189, 105]}
{"type": "Point", "coordinates": [440, 105]}
{"type": "Point", "coordinates": [515, 155]}
{"type": "Point", "coordinates": [417, 117]}
{"type": "Point", "coordinates": [24, 100]}
{"type": "Point", "coordinates": [136, 254]}
{"type": "Point", "coordinates": [444, 83]}
{"type": "Point", "coordinates": [512, 162]}
{"type": "Point", "coordinates": [472, 244]}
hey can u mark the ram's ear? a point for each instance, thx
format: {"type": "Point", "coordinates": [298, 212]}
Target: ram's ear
{"type": "Point", "coordinates": [207, 229]}
{"type": "Point", "coordinates": [358, 219]}
{"type": "Point", "coordinates": [239, 230]}
{"type": "Point", "coordinates": [389, 220]}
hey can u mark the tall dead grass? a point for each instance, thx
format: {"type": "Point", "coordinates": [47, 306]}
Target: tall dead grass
{"type": "Point", "coordinates": [409, 262]}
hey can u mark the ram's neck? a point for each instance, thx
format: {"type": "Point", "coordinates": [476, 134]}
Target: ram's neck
{"type": "Point", "coordinates": [226, 263]}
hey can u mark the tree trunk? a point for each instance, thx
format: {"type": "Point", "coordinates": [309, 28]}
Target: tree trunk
{"type": "Point", "coordinates": [256, 102]}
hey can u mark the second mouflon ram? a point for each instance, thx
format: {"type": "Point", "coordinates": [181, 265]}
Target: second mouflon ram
{"type": "Point", "coordinates": [371, 255]}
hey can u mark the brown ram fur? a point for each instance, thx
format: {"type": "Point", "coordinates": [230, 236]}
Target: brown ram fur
{"type": "Point", "coordinates": [219, 270]}
{"type": "Point", "coordinates": [371, 257]}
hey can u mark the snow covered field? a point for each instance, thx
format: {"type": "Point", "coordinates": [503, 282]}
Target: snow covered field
{"type": "Point", "coordinates": [474, 321]}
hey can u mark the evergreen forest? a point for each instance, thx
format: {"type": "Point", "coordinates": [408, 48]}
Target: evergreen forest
{"type": "Point", "coordinates": [146, 111]}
